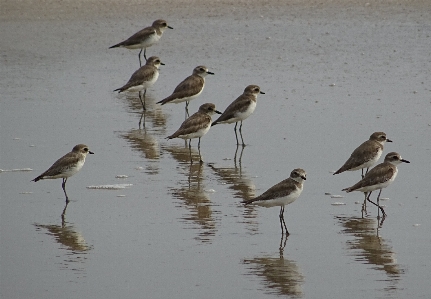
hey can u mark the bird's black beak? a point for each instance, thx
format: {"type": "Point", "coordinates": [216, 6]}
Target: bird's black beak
{"type": "Point", "coordinates": [262, 92]}
{"type": "Point", "coordinates": [210, 73]}
{"type": "Point", "coordinates": [90, 152]}
{"type": "Point", "coordinates": [304, 178]}
{"type": "Point", "coordinates": [170, 27]}
{"type": "Point", "coordinates": [216, 111]}
{"type": "Point", "coordinates": [388, 140]}
{"type": "Point", "coordinates": [162, 63]}
{"type": "Point", "coordinates": [405, 161]}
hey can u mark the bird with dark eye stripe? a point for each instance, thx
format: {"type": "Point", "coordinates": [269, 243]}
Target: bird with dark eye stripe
{"type": "Point", "coordinates": [144, 38]}
{"type": "Point", "coordinates": [66, 166]}
{"type": "Point", "coordinates": [240, 109]}
{"type": "Point", "coordinates": [282, 194]}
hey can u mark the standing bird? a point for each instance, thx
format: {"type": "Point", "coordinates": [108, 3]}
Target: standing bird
{"type": "Point", "coordinates": [365, 155]}
{"type": "Point", "coordinates": [379, 177]}
{"type": "Point", "coordinates": [66, 166]}
{"type": "Point", "coordinates": [282, 194]}
{"type": "Point", "coordinates": [144, 38]}
{"type": "Point", "coordinates": [196, 126]}
{"type": "Point", "coordinates": [240, 109]}
{"type": "Point", "coordinates": [143, 78]}
{"type": "Point", "coordinates": [189, 89]}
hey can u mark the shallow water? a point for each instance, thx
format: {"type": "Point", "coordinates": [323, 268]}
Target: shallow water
{"type": "Point", "coordinates": [332, 76]}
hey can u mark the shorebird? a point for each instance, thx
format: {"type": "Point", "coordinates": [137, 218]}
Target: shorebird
{"type": "Point", "coordinates": [143, 78]}
{"type": "Point", "coordinates": [196, 126]}
{"type": "Point", "coordinates": [66, 166]}
{"type": "Point", "coordinates": [379, 177]}
{"type": "Point", "coordinates": [144, 38]}
{"type": "Point", "coordinates": [365, 155]}
{"type": "Point", "coordinates": [189, 89]}
{"type": "Point", "coordinates": [240, 109]}
{"type": "Point", "coordinates": [281, 194]}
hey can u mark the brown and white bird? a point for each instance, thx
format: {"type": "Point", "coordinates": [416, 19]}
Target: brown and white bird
{"type": "Point", "coordinates": [143, 78]}
{"type": "Point", "coordinates": [190, 88]}
{"type": "Point", "coordinates": [379, 177]}
{"type": "Point", "coordinates": [66, 166]}
{"type": "Point", "coordinates": [240, 109]}
{"type": "Point", "coordinates": [196, 126]}
{"type": "Point", "coordinates": [365, 155]}
{"type": "Point", "coordinates": [144, 38]}
{"type": "Point", "coordinates": [282, 194]}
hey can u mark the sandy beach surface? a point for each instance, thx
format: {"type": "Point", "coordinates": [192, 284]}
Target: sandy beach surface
{"type": "Point", "coordinates": [143, 222]}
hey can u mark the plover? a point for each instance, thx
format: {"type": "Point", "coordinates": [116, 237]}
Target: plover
{"type": "Point", "coordinates": [196, 126]}
{"type": "Point", "coordinates": [143, 78]}
{"type": "Point", "coordinates": [66, 166]}
{"type": "Point", "coordinates": [240, 109]}
{"type": "Point", "coordinates": [144, 38]}
{"type": "Point", "coordinates": [190, 88]}
{"type": "Point", "coordinates": [365, 155]}
{"type": "Point", "coordinates": [282, 194]}
{"type": "Point", "coordinates": [379, 177]}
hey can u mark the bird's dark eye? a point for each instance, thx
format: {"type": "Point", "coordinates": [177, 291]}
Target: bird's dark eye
{"type": "Point", "coordinates": [202, 69]}
{"type": "Point", "coordinates": [164, 24]}
{"type": "Point", "coordinates": [85, 149]}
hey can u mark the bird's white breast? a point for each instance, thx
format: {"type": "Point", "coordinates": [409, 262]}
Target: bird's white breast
{"type": "Point", "coordinates": [196, 134]}
{"type": "Point", "coordinates": [381, 185]}
{"type": "Point", "coordinates": [281, 201]}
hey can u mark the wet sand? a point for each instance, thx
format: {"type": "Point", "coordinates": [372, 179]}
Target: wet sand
{"type": "Point", "coordinates": [333, 73]}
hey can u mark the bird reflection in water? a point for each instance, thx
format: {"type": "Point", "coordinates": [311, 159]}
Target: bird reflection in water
{"type": "Point", "coordinates": [142, 141]}
{"type": "Point", "coordinates": [69, 239]}
{"type": "Point", "coordinates": [193, 196]}
{"type": "Point", "coordinates": [241, 185]}
{"type": "Point", "coordinates": [237, 181]}
{"type": "Point", "coordinates": [153, 114]}
{"type": "Point", "coordinates": [278, 275]}
{"type": "Point", "coordinates": [369, 248]}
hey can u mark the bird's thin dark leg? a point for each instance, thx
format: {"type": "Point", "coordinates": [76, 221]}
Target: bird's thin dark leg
{"type": "Point", "coordinates": [236, 135]}
{"type": "Point", "coordinates": [145, 56]}
{"type": "Point", "coordinates": [378, 204]}
{"type": "Point", "coordinates": [380, 208]}
{"type": "Point", "coordinates": [143, 101]}
{"type": "Point", "coordinates": [199, 149]}
{"type": "Point", "coordinates": [282, 222]}
{"type": "Point", "coordinates": [63, 185]}
{"type": "Point", "coordinates": [234, 157]}
{"type": "Point", "coordinates": [364, 204]}
{"type": "Point", "coordinates": [140, 120]}
{"type": "Point", "coordinates": [139, 55]}
{"type": "Point", "coordinates": [282, 245]}
{"type": "Point", "coordinates": [63, 215]}
{"type": "Point", "coordinates": [190, 151]}
{"type": "Point", "coordinates": [240, 133]}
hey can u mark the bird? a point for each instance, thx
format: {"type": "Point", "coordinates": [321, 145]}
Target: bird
{"type": "Point", "coordinates": [144, 38]}
{"type": "Point", "coordinates": [143, 78]}
{"type": "Point", "coordinates": [281, 194]}
{"type": "Point", "coordinates": [190, 88]}
{"type": "Point", "coordinates": [66, 166]}
{"type": "Point", "coordinates": [365, 155]}
{"type": "Point", "coordinates": [196, 126]}
{"type": "Point", "coordinates": [381, 176]}
{"type": "Point", "coordinates": [240, 109]}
